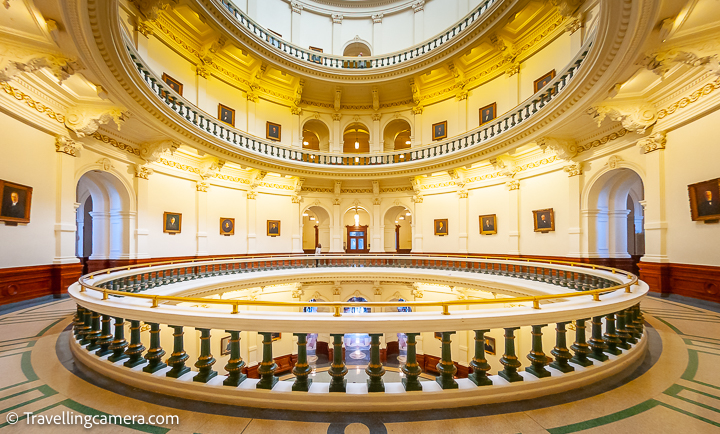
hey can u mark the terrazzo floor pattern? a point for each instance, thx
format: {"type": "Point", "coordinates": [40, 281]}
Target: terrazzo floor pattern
{"type": "Point", "coordinates": [676, 390]}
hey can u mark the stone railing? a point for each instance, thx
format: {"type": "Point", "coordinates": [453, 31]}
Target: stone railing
{"type": "Point", "coordinates": [271, 40]}
{"type": "Point", "coordinates": [254, 146]}
{"type": "Point", "coordinates": [564, 293]}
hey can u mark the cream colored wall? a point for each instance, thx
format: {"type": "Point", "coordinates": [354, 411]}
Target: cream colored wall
{"type": "Point", "coordinates": [162, 59]}
{"type": "Point", "coordinates": [494, 91]}
{"type": "Point", "coordinates": [29, 158]}
{"type": "Point", "coordinates": [440, 206]}
{"type": "Point", "coordinates": [220, 92]}
{"type": "Point", "coordinates": [226, 203]}
{"type": "Point", "coordinates": [276, 113]}
{"type": "Point", "coordinates": [541, 192]}
{"type": "Point", "coordinates": [274, 207]}
{"type": "Point", "coordinates": [170, 194]}
{"type": "Point", "coordinates": [483, 201]}
{"type": "Point", "coordinates": [555, 55]}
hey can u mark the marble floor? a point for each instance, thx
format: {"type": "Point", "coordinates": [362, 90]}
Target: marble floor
{"type": "Point", "coordinates": [676, 389]}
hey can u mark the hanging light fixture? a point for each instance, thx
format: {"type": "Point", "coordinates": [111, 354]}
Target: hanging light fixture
{"type": "Point", "coordinates": [357, 217]}
{"type": "Point", "coordinates": [305, 143]}
{"type": "Point", "coordinates": [402, 217]}
{"type": "Point", "coordinates": [305, 214]}
{"type": "Point", "coordinates": [357, 144]}
{"type": "Point", "coordinates": [408, 214]}
{"type": "Point", "coordinates": [408, 142]}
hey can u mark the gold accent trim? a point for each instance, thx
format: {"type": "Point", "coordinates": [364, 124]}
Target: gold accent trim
{"type": "Point", "coordinates": [707, 89]}
{"type": "Point", "coordinates": [40, 107]}
{"type": "Point", "coordinates": [110, 141]}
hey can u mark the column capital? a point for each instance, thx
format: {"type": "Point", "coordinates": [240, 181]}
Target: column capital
{"type": "Point", "coordinates": [418, 6]}
{"type": "Point", "coordinates": [337, 18]}
{"type": "Point", "coordinates": [202, 71]}
{"type": "Point", "coordinates": [143, 171]}
{"type": "Point", "coordinates": [513, 185]}
{"type": "Point", "coordinates": [377, 18]}
{"type": "Point", "coordinates": [66, 145]}
{"type": "Point", "coordinates": [574, 169]}
{"type": "Point", "coordinates": [252, 194]}
{"type": "Point", "coordinates": [653, 142]}
{"type": "Point", "coordinates": [202, 186]}
{"type": "Point", "coordinates": [296, 7]}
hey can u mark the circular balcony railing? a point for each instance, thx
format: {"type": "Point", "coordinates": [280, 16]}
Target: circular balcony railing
{"type": "Point", "coordinates": [565, 293]}
{"type": "Point", "coordinates": [350, 63]}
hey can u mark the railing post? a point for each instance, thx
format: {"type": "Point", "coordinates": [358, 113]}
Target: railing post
{"type": "Point", "coordinates": [509, 360]}
{"type": "Point", "coordinates": [106, 338]}
{"type": "Point", "coordinates": [302, 369]}
{"type": "Point", "coordinates": [623, 335]}
{"type": "Point", "coordinates": [135, 349]}
{"type": "Point", "coordinates": [267, 367]}
{"type": "Point", "coordinates": [537, 357]}
{"type": "Point", "coordinates": [178, 357]}
{"type": "Point", "coordinates": [630, 326]}
{"type": "Point", "coordinates": [479, 364]}
{"type": "Point", "coordinates": [78, 321]}
{"type": "Point", "coordinates": [560, 351]}
{"type": "Point", "coordinates": [411, 369]}
{"type": "Point", "coordinates": [375, 369]}
{"type": "Point", "coordinates": [611, 337]}
{"type": "Point", "coordinates": [118, 344]}
{"type": "Point", "coordinates": [236, 364]}
{"type": "Point", "coordinates": [86, 327]}
{"type": "Point", "coordinates": [446, 366]}
{"type": "Point", "coordinates": [206, 360]}
{"type": "Point", "coordinates": [580, 347]}
{"type": "Point", "coordinates": [638, 320]}
{"type": "Point", "coordinates": [94, 332]}
{"type": "Point", "coordinates": [338, 370]}
{"type": "Point", "coordinates": [155, 353]}
{"type": "Point", "coordinates": [596, 342]}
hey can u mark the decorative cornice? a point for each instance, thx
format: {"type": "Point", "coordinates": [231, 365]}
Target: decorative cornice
{"type": "Point", "coordinates": [112, 142]}
{"type": "Point", "coordinates": [85, 120]}
{"type": "Point", "coordinates": [635, 117]}
{"type": "Point", "coordinates": [602, 141]}
{"type": "Point", "coordinates": [40, 107]}
{"type": "Point", "coordinates": [686, 101]}
{"type": "Point", "coordinates": [202, 186]}
{"type": "Point", "coordinates": [151, 152]}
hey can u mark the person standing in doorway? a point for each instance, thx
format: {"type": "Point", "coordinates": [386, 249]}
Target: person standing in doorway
{"type": "Point", "coordinates": [318, 252]}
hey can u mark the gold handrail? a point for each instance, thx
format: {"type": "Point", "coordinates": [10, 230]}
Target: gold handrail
{"type": "Point", "coordinates": [337, 306]}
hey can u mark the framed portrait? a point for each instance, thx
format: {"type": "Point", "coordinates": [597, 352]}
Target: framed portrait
{"type": "Point", "coordinates": [488, 113]}
{"type": "Point", "coordinates": [273, 228]}
{"type": "Point", "coordinates": [173, 84]}
{"type": "Point", "coordinates": [543, 81]}
{"type": "Point", "coordinates": [439, 130]}
{"type": "Point", "coordinates": [490, 347]}
{"type": "Point", "coordinates": [225, 346]}
{"type": "Point", "coordinates": [441, 227]}
{"type": "Point", "coordinates": [544, 220]}
{"type": "Point", "coordinates": [275, 336]}
{"type": "Point", "coordinates": [272, 131]}
{"type": "Point", "coordinates": [226, 114]}
{"type": "Point", "coordinates": [488, 224]}
{"type": "Point", "coordinates": [172, 222]}
{"type": "Point", "coordinates": [16, 200]}
{"type": "Point", "coordinates": [704, 200]}
{"type": "Point", "coordinates": [227, 226]}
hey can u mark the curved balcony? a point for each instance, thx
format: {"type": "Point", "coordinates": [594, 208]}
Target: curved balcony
{"type": "Point", "coordinates": [261, 149]}
{"type": "Point", "coordinates": [565, 293]}
{"type": "Point", "coordinates": [333, 62]}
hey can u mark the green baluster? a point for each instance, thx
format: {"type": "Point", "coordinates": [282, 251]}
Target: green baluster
{"type": "Point", "coordinates": [206, 359]}
{"type": "Point", "coordinates": [580, 347]}
{"type": "Point", "coordinates": [446, 367]}
{"type": "Point", "coordinates": [78, 321]}
{"type": "Point", "coordinates": [94, 333]}
{"type": "Point", "coordinates": [106, 338]}
{"type": "Point", "coordinates": [509, 360]}
{"type": "Point", "coordinates": [560, 351]}
{"type": "Point", "coordinates": [135, 349]}
{"type": "Point", "coordinates": [178, 357]}
{"type": "Point", "coordinates": [611, 337]}
{"type": "Point", "coordinates": [302, 369]}
{"type": "Point", "coordinates": [118, 344]}
{"type": "Point", "coordinates": [630, 326]}
{"type": "Point", "coordinates": [236, 364]}
{"type": "Point", "coordinates": [338, 370]}
{"type": "Point", "coordinates": [597, 345]}
{"type": "Point", "coordinates": [411, 369]}
{"type": "Point", "coordinates": [86, 327]}
{"type": "Point", "coordinates": [623, 335]}
{"type": "Point", "coordinates": [267, 366]}
{"type": "Point", "coordinates": [479, 364]}
{"type": "Point", "coordinates": [375, 369]}
{"type": "Point", "coordinates": [638, 320]}
{"type": "Point", "coordinates": [537, 357]}
{"type": "Point", "coordinates": [155, 353]}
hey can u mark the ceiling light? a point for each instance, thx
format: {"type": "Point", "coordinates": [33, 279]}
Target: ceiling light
{"type": "Point", "coordinates": [312, 218]}
{"type": "Point", "coordinates": [357, 145]}
{"type": "Point", "coordinates": [408, 214]}
{"type": "Point", "coordinates": [402, 156]}
{"type": "Point", "coordinates": [357, 159]}
{"type": "Point", "coordinates": [402, 218]}
{"type": "Point", "coordinates": [305, 143]}
{"type": "Point", "coordinates": [305, 214]}
{"type": "Point", "coordinates": [396, 221]}
{"type": "Point", "coordinates": [408, 142]}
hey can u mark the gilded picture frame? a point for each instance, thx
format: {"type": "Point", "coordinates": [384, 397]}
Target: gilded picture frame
{"type": "Point", "coordinates": [441, 227]}
{"type": "Point", "coordinates": [275, 337]}
{"type": "Point", "coordinates": [273, 228]}
{"type": "Point", "coordinates": [172, 222]}
{"type": "Point", "coordinates": [273, 131]}
{"type": "Point", "coordinates": [488, 224]}
{"type": "Point", "coordinates": [490, 346]}
{"type": "Point", "coordinates": [225, 346]}
{"type": "Point", "coordinates": [488, 113]}
{"type": "Point", "coordinates": [16, 202]}
{"type": "Point", "coordinates": [173, 83]}
{"type": "Point", "coordinates": [439, 130]}
{"type": "Point", "coordinates": [544, 220]}
{"type": "Point", "coordinates": [226, 115]}
{"type": "Point", "coordinates": [543, 81]}
{"type": "Point", "coordinates": [227, 226]}
{"type": "Point", "coordinates": [705, 200]}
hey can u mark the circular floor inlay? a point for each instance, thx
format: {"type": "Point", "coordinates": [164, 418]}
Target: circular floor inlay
{"type": "Point", "coordinates": [357, 428]}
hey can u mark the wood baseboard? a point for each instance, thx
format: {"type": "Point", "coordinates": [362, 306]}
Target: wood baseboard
{"type": "Point", "coordinates": [26, 283]}
{"type": "Point", "coordinates": [696, 281]}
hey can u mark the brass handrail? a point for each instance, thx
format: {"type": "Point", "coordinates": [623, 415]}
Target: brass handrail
{"type": "Point", "coordinates": [337, 306]}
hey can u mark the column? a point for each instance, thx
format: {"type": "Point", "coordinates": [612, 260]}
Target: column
{"type": "Point", "coordinates": [509, 360]}
{"type": "Point", "coordinates": [302, 369]}
{"type": "Point", "coordinates": [202, 73]}
{"type": "Point", "coordinates": [65, 216]}
{"type": "Point", "coordinates": [419, 22]}
{"type": "Point", "coordinates": [135, 349]}
{"type": "Point", "coordinates": [479, 364]}
{"type": "Point", "coordinates": [252, 100]}
{"type": "Point", "coordinates": [267, 367]}
{"type": "Point", "coordinates": [580, 347]}
{"type": "Point", "coordinates": [100, 238]}
{"type": "Point", "coordinates": [376, 143]}
{"type": "Point", "coordinates": [142, 190]}
{"type": "Point", "coordinates": [337, 138]}
{"type": "Point", "coordinates": [611, 337]}
{"type": "Point", "coordinates": [206, 360]}
{"type": "Point", "coordinates": [462, 221]}
{"type": "Point", "coordinates": [575, 181]}
{"type": "Point", "coordinates": [337, 41]}
{"type": "Point", "coordinates": [617, 221]}
{"type": "Point", "coordinates": [446, 367]}
{"type": "Point", "coordinates": [377, 245]}
{"type": "Point", "coordinates": [94, 333]}
{"type": "Point", "coordinates": [295, 21]}
{"type": "Point", "coordinates": [155, 353]}
{"type": "Point", "coordinates": [655, 216]}
{"type": "Point", "coordinates": [622, 332]}
{"type": "Point", "coordinates": [417, 240]}
{"type": "Point", "coordinates": [119, 343]}
{"type": "Point", "coordinates": [179, 356]}
{"type": "Point", "coordinates": [236, 364]}
{"type": "Point", "coordinates": [560, 351]}
{"type": "Point", "coordinates": [514, 217]}
{"type": "Point", "coordinates": [201, 214]}
{"type": "Point", "coordinates": [296, 225]}
{"type": "Point", "coordinates": [462, 119]}
{"type": "Point", "coordinates": [78, 321]}
{"type": "Point", "coordinates": [251, 224]}
{"type": "Point", "coordinates": [338, 370]}
{"type": "Point", "coordinates": [537, 357]}
{"type": "Point", "coordinates": [295, 128]}
{"type": "Point", "coordinates": [411, 369]}
{"type": "Point", "coordinates": [337, 228]}
{"type": "Point", "coordinates": [375, 370]}
{"type": "Point", "coordinates": [377, 34]}
{"type": "Point", "coordinates": [105, 338]}
{"type": "Point", "coordinates": [417, 139]}
{"type": "Point", "coordinates": [512, 83]}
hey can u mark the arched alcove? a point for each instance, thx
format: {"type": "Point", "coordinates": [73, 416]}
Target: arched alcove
{"type": "Point", "coordinates": [356, 221]}
{"type": "Point", "coordinates": [397, 225]}
{"type": "Point", "coordinates": [316, 135]}
{"type": "Point", "coordinates": [316, 228]}
{"type": "Point", "coordinates": [356, 139]}
{"type": "Point", "coordinates": [357, 48]}
{"type": "Point", "coordinates": [396, 135]}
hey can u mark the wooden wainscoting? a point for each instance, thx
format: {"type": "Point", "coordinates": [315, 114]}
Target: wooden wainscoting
{"type": "Point", "coordinates": [696, 281]}
{"type": "Point", "coordinates": [26, 283]}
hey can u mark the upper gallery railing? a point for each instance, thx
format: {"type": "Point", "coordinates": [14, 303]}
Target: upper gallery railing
{"type": "Point", "coordinates": [264, 148]}
{"type": "Point", "coordinates": [342, 62]}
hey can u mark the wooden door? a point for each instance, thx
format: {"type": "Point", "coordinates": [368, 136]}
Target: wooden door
{"type": "Point", "coordinates": [357, 239]}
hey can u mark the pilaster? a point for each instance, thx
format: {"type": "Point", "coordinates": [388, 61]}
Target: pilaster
{"type": "Point", "coordinates": [462, 221]}
{"type": "Point", "coordinates": [419, 21]}
{"type": "Point", "coordinates": [65, 211]}
{"type": "Point", "coordinates": [251, 223]}
{"type": "Point", "coordinates": [513, 217]}
{"type": "Point", "coordinates": [377, 245]}
{"type": "Point", "coordinates": [296, 227]}
{"type": "Point", "coordinates": [376, 144]}
{"type": "Point", "coordinates": [575, 182]}
{"type": "Point", "coordinates": [655, 214]}
{"type": "Point", "coordinates": [201, 214]}
{"type": "Point", "coordinates": [377, 33]}
{"type": "Point", "coordinates": [337, 41]}
{"type": "Point", "coordinates": [297, 9]}
{"type": "Point", "coordinates": [142, 192]}
{"type": "Point", "coordinates": [417, 237]}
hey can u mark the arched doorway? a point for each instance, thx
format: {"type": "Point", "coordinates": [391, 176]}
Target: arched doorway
{"type": "Point", "coordinates": [356, 139]}
{"type": "Point", "coordinates": [614, 216]}
{"type": "Point", "coordinates": [315, 229]}
{"type": "Point", "coordinates": [396, 135]}
{"type": "Point", "coordinates": [104, 220]}
{"type": "Point", "coordinates": [398, 230]}
{"type": "Point", "coordinates": [357, 222]}
{"type": "Point", "coordinates": [316, 136]}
